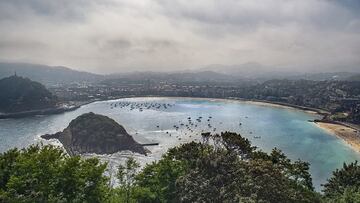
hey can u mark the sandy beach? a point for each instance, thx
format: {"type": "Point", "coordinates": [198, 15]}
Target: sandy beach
{"type": "Point", "coordinates": [263, 103]}
{"type": "Point", "coordinates": [349, 135]}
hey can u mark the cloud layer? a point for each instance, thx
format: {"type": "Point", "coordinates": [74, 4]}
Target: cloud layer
{"type": "Point", "coordinates": [125, 35]}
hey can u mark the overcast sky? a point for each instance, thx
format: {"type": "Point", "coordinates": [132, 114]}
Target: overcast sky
{"type": "Point", "coordinates": [107, 36]}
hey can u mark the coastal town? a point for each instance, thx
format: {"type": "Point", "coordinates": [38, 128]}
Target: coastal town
{"type": "Point", "coordinates": [337, 101]}
{"type": "Point", "coordinates": [340, 98]}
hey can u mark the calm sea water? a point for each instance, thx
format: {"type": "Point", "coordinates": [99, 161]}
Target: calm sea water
{"type": "Point", "coordinates": [283, 128]}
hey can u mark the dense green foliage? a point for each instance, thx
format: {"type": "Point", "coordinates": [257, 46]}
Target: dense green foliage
{"type": "Point", "coordinates": [222, 168]}
{"type": "Point", "coordinates": [22, 94]}
{"type": "Point", "coordinates": [344, 185]}
{"type": "Point", "coordinates": [47, 174]}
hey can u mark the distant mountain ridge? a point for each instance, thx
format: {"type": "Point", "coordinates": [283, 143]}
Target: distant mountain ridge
{"type": "Point", "coordinates": [251, 70]}
{"type": "Point", "coordinates": [256, 71]}
{"type": "Point", "coordinates": [217, 73]}
{"type": "Point", "coordinates": [47, 75]}
{"type": "Point", "coordinates": [173, 77]}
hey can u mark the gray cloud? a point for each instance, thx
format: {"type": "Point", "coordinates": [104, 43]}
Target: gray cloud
{"type": "Point", "coordinates": [122, 35]}
{"type": "Point", "coordinates": [21, 44]}
{"type": "Point", "coordinates": [52, 10]}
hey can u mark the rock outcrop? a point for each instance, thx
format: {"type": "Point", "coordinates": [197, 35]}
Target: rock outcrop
{"type": "Point", "coordinates": [94, 133]}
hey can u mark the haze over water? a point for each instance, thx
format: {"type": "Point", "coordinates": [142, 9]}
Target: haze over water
{"type": "Point", "coordinates": [287, 129]}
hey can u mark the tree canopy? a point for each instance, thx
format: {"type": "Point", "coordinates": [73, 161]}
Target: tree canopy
{"type": "Point", "coordinates": [222, 168]}
{"type": "Point", "coordinates": [47, 174]}
{"type": "Point", "coordinates": [225, 168]}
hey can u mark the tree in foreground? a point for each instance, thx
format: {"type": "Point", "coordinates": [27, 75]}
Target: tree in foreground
{"type": "Point", "coordinates": [224, 168]}
{"type": "Point", "coordinates": [47, 174]}
{"type": "Point", "coordinates": [126, 177]}
{"type": "Point", "coordinates": [344, 185]}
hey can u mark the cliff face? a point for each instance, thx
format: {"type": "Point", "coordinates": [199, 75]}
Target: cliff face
{"type": "Point", "coordinates": [93, 133]}
{"type": "Point", "coordinates": [21, 94]}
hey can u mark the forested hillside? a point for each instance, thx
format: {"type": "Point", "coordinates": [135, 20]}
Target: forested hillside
{"type": "Point", "coordinates": [21, 94]}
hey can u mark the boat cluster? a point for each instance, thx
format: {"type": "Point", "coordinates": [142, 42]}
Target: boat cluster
{"type": "Point", "coordinates": [189, 126]}
{"type": "Point", "coordinates": [141, 106]}
{"type": "Point", "coordinates": [197, 125]}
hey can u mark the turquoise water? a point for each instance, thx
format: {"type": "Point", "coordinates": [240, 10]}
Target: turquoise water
{"type": "Point", "coordinates": [283, 128]}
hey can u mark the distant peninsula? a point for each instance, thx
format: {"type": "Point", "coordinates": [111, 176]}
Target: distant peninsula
{"type": "Point", "coordinates": [19, 94]}
{"type": "Point", "coordinates": [22, 97]}
{"type": "Point", "coordinates": [94, 133]}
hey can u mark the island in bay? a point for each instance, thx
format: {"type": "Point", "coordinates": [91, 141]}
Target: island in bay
{"type": "Point", "coordinates": [94, 133]}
